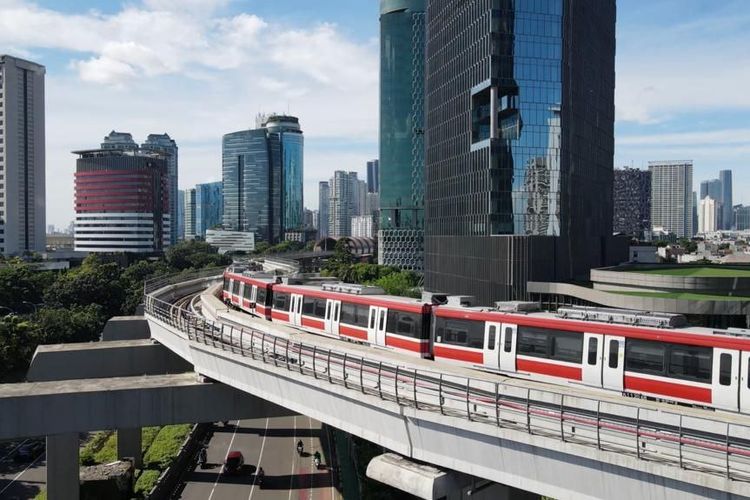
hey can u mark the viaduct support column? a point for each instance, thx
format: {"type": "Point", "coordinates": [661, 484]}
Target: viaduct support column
{"type": "Point", "coordinates": [62, 467]}
{"type": "Point", "coordinates": [129, 445]}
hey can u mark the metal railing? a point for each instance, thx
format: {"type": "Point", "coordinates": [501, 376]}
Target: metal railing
{"type": "Point", "coordinates": [160, 282]}
{"type": "Point", "coordinates": [693, 443]}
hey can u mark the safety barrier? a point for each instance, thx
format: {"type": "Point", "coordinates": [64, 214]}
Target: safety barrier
{"type": "Point", "coordinates": [702, 444]}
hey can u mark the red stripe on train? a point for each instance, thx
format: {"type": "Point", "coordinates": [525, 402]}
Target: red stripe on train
{"type": "Point", "coordinates": [281, 316]}
{"type": "Point", "coordinates": [551, 369]}
{"type": "Point", "coordinates": [408, 345]}
{"type": "Point", "coordinates": [690, 393]}
{"type": "Point", "coordinates": [352, 332]}
{"type": "Point", "coordinates": [314, 323]}
{"type": "Point", "coordinates": [458, 354]}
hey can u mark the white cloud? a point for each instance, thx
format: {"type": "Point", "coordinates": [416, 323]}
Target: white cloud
{"type": "Point", "coordinates": [711, 138]}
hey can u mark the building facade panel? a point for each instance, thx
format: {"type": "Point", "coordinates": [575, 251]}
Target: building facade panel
{"type": "Point", "coordinates": [209, 207]}
{"type": "Point", "coordinates": [165, 144]}
{"type": "Point", "coordinates": [632, 202]}
{"type": "Point", "coordinates": [672, 197]}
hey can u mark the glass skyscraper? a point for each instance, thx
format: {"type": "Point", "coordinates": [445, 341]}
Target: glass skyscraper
{"type": "Point", "coordinates": [402, 115]}
{"type": "Point", "coordinates": [519, 144]}
{"type": "Point", "coordinates": [262, 171]}
{"type": "Point", "coordinates": [209, 205]}
{"type": "Point", "coordinates": [165, 144]}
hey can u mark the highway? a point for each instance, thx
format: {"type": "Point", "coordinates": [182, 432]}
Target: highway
{"type": "Point", "coordinates": [270, 443]}
{"type": "Point", "coordinates": [21, 480]}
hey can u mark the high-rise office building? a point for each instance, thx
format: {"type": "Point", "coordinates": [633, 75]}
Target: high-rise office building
{"type": "Point", "coordinates": [324, 212]}
{"type": "Point", "coordinates": [165, 144]}
{"type": "Point", "coordinates": [632, 202]}
{"type": "Point", "coordinates": [190, 214]}
{"type": "Point", "coordinates": [402, 124]}
{"type": "Point", "coordinates": [695, 212]}
{"type": "Point", "coordinates": [209, 206]}
{"type": "Point", "coordinates": [741, 218]}
{"type": "Point", "coordinates": [362, 227]}
{"type": "Point", "coordinates": [725, 177]}
{"type": "Point", "coordinates": [22, 157]}
{"type": "Point", "coordinates": [315, 219]}
{"type": "Point", "coordinates": [711, 188]}
{"type": "Point", "coordinates": [672, 197]}
{"type": "Point", "coordinates": [373, 176]}
{"type": "Point", "coordinates": [119, 140]}
{"type": "Point", "coordinates": [519, 144]}
{"type": "Point", "coordinates": [121, 201]}
{"type": "Point", "coordinates": [340, 218]}
{"type": "Point", "coordinates": [180, 215]}
{"type": "Point", "coordinates": [262, 178]}
{"type": "Point", "coordinates": [308, 219]}
{"type": "Point", "coordinates": [708, 216]}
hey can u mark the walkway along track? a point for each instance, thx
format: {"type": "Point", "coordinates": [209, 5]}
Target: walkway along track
{"type": "Point", "coordinates": [717, 444]}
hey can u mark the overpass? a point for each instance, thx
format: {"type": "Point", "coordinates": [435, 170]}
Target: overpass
{"type": "Point", "coordinates": [564, 443]}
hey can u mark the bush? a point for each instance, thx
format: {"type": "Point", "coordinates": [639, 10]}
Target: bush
{"type": "Point", "coordinates": [146, 482]}
{"type": "Point", "coordinates": [108, 452]}
{"type": "Point", "coordinates": [87, 455]}
{"type": "Point", "coordinates": [148, 434]}
{"type": "Point", "coordinates": [165, 446]}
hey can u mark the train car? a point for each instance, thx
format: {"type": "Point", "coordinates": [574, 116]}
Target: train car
{"type": "Point", "coordinates": [250, 292]}
{"type": "Point", "coordinates": [356, 313]}
{"type": "Point", "coordinates": [602, 348]}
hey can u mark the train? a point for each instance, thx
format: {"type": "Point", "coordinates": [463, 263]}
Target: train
{"type": "Point", "coordinates": [642, 354]}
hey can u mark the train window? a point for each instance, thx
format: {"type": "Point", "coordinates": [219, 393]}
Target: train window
{"type": "Point", "coordinates": [550, 344]}
{"type": "Point", "coordinates": [372, 318]}
{"type": "Point", "coordinates": [644, 356]}
{"type": "Point", "coordinates": [491, 337]}
{"type": "Point", "coordinates": [614, 353]}
{"type": "Point", "coordinates": [236, 288]}
{"type": "Point", "coordinates": [247, 293]}
{"type": "Point", "coordinates": [508, 339]}
{"type": "Point", "coordinates": [407, 324]}
{"type": "Point", "coordinates": [690, 362]}
{"type": "Point", "coordinates": [320, 308]}
{"type": "Point", "coordinates": [281, 301]}
{"type": "Point", "coordinates": [261, 297]}
{"type": "Point", "coordinates": [348, 314]}
{"type": "Point", "coordinates": [593, 348]}
{"type": "Point", "coordinates": [308, 306]}
{"type": "Point", "coordinates": [382, 323]}
{"type": "Point", "coordinates": [226, 284]}
{"type": "Point", "coordinates": [461, 332]}
{"type": "Point", "coordinates": [725, 369]}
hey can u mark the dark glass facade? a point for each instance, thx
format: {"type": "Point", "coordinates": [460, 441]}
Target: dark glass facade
{"type": "Point", "coordinates": [401, 162]}
{"type": "Point", "coordinates": [632, 202]}
{"type": "Point", "coordinates": [209, 205]}
{"type": "Point", "coordinates": [288, 133]}
{"type": "Point", "coordinates": [519, 143]}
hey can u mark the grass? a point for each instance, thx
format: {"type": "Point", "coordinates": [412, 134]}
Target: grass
{"type": "Point", "coordinates": [42, 495]}
{"type": "Point", "coordinates": [682, 296]}
{"type": "Point", "coordinates": [87, 455]}
{"type": "Point", "coordinates": [165, 446]}
{"type": "Point", "coordinates": [703, 272]}
{"type": "Point", "coordinates": [146, 481]}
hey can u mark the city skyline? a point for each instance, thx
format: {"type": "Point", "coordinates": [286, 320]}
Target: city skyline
{"type": "Point", "coordinates": [90, 86]}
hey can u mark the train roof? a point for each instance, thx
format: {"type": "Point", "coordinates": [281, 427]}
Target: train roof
{"type": "Point", "coordinates": [404, 303]}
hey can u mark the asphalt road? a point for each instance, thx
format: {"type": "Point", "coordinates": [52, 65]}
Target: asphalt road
{"type": "Point", "coordinates": [23, 480]}
{"type": "Point", "coordinates": [270, 443]}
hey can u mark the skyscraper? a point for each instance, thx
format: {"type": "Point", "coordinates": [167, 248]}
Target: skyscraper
{"type": "Point", "coordinates": [180, 214]}
{"type": "Point", "coordinates": [373, 176]}
{"type": "Point", "coordinates": [209, 206]}
{"type": "Point", "coordinates": [190, 214]}
{"type": "Point", "coordinates": [324, 212]}
{"type": "Point", "coordinates": [167, 145]}
{"type": "Point", "coordinates": [22, 157]}
{"type": "Point", "coordinates": [121, 201]}
{"type": "Point", "coordinates": [519, 144]}
{"type": "Point", "coordinates": [725, 176]}
{"type": "Point", "coordinates": [632, 202]}
{"type": "Point", "coordinates": [708, 216]}
{"type": "Point", "coordinates": [712, 188]}
{"type": "Point", "coordinates": [340, 219]}
{"type": "Point", "coordinates": [119, 140]}
{"type": "Point", "coordinates": [402, 123]}
{"type": "Point", "coordinates": [672, 197]}
{"type": "Point", "coordinates": [262, 178]}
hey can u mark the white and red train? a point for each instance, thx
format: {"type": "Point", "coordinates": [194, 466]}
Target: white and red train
{"type": "Point", "coordinates": [593, 347]}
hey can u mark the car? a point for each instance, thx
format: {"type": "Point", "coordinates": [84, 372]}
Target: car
{"type": "Point", "coordinates": [233, 462]}
{"type": "Point", "coordinates": [29, 451]}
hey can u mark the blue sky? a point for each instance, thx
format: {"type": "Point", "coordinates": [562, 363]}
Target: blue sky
{"type": "Point", "coordinates": [200, 68]}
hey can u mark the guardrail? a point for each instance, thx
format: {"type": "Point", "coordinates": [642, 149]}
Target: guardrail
{"type": "Point", "coordinates": [150, 286]}
{"type": "Point", "coordinates": [691, 443]}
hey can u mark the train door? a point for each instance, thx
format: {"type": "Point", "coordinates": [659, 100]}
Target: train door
{"type": "Point", "coordinates": [726, 379]}
{"type": "Point", "coordinates": [254, 295]}
{"type": "Point", "coordinates": [491, 341]}
{"type": "Point", "coordinates": [508, 339]}
{"type": "Point", "coordinates": [592, 359]}
{"type": "Point", "coordinates": [295, 310]}
{"type": "Point", "coordinates": [613, 364]}
{"type": "Point", "coordinates": [372, 325]}
{"type": "Point", "coordinates": [380, 326]}
{"type": "Point", "coordinates": [242, 294]}
{"type": "Point", "coordinates": [745, 382]}
{"type": "Point", "coordinates": [333, 313]}
{"type": "Point", "coordinates": [231, 288]}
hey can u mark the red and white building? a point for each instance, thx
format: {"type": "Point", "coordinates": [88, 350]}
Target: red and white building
{"type": "Point", "coordinates": [121, 201]}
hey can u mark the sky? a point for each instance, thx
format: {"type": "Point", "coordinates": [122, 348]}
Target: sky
{"type": "Point", "coordinates": [198, 69]}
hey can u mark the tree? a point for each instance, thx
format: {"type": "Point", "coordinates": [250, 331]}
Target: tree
{"type": "Point", "coordinates": [133, 277]}
{"type": "Point", "coordinates": [194, 255]}
{"type": "Point", "coordinates": [15, 348]}
{"type": "Point", "coordinates": [20, 286]}
{"type": "Point", "coordinates": [92, 283]}
{"type": "Point", "coordinates": [403, 283]}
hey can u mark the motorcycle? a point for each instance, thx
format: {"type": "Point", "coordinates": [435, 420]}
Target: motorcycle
{"type": "Point", "coordinates": [300, 448]}
{"type": "Point", "coordinates": [316, 460]}
{"type": "Point", "coordinates": [260, 475]}
{"type": "Point", "coordinates": [203, 458]}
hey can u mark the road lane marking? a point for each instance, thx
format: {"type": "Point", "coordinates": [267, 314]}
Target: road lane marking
{"type": "Point", "coordinates": [260, 457]}
{"type": "Point", "coordinates": [314, 469]}
{"type": "Point", "coordinates": [221, 470]}
{"type": "Point", "coordinates": [13, 450]}
{"type": "Point", "coordinates": [294, 456]}
{"type": "Point", "coordinates": [22, 472]}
